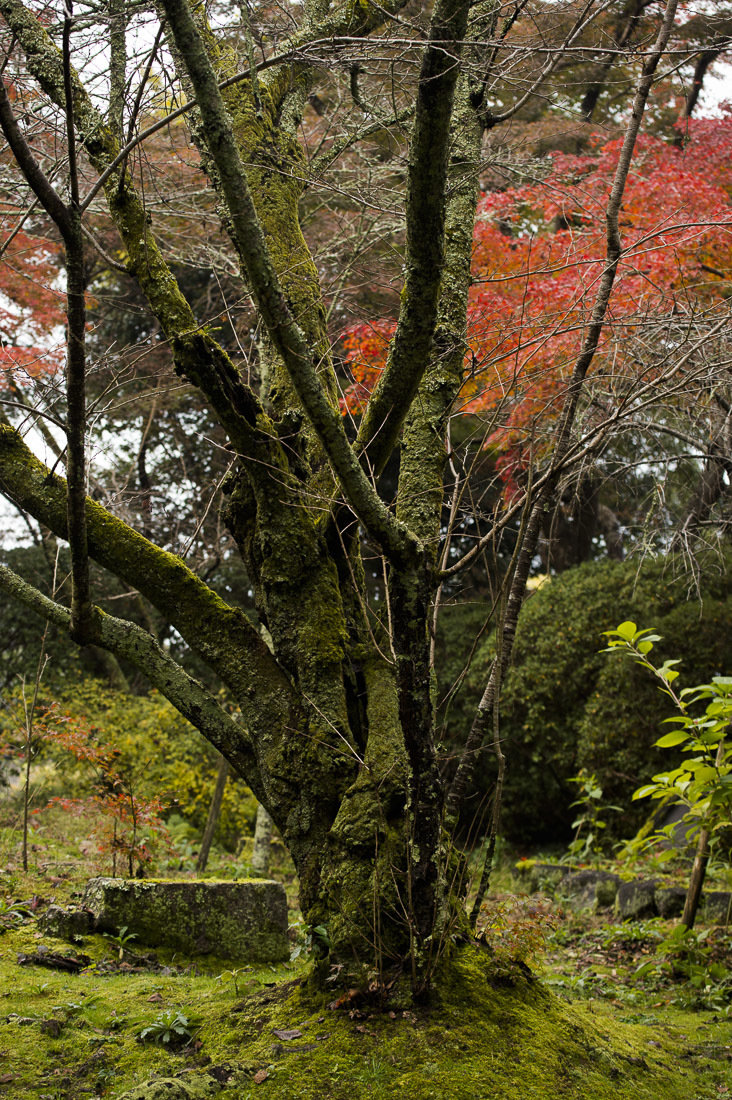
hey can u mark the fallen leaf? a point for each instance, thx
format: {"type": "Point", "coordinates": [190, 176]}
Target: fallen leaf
{"type": "Point", "coordinates": [259, 1076]}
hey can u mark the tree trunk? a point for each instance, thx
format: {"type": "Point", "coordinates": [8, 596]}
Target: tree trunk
{"type": "Point", "coordinates": [336, 735]}
{"type": "Point", "coordinates": [214, 813]}
{"type": "Point", "coordinates": [262, 848]}
{"type": "Point", "coordinates": [696, 881]}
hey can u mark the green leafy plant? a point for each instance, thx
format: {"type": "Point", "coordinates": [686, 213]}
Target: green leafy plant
{"type": "Point", "coordinates": [12, 913]}
{"type": "Point", "coordinates": [703, 780]}
{"type": "Point", "coordinates": [315, 941]}
{"type": "Point", "coordinates": [122, 938]}
{"type": "Point", "coordinates": [171, 1028]}
{"type": "Point", "coordinates": [590, 822]}
{"type": "Point", "coordinates": [232, 977]}
{"type": "Point", "coordinates": [685, 956]}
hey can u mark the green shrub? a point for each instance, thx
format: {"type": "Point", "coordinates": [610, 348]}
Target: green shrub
{"type": "Point", "coordinates": [565, 707]}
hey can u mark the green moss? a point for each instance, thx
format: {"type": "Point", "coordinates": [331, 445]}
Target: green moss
{"type": "Point", "coordinates": [484, 1034]}
{"type": "Point", "coordinates": [170, 1088]}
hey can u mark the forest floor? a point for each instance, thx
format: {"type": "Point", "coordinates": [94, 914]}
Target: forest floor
{"type": "Point", "coordinates": [597, 1010]}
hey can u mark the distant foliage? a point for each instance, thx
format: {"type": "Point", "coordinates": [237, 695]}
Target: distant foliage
{"type": "Point", "coordinates": [144, 734]}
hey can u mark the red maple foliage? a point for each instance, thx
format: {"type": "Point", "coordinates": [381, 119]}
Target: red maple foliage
{"type": "Point", "coordinates": [539, 252]}
{"type": "Point", "coordinates": [31, 302]}
{"type": "Point", "coordinates": [123, 821]}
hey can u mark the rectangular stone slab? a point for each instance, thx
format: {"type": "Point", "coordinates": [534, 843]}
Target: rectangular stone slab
{"type": "Point", "coordinates": [245, 920]}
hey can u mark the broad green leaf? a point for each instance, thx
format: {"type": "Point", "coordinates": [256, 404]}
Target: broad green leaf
{"type": "Point", "coordinates": [627, 630]}
{"type": "Point", "coordinates": [670, 739]}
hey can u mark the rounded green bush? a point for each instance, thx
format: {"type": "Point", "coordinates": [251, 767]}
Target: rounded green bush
{"type": "Point", "coordinates": [566, 705]}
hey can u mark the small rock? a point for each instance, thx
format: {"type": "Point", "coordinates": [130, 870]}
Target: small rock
{"type": "Point", "coordinates": [636, 900]}
{"type": "Point", "coordinates": [67, 924]}
{"type": "Point", "coordinates": [287, 1035]}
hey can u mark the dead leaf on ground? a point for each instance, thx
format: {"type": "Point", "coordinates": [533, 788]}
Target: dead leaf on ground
{"type": "Point", "coordinates": [287, 1035]}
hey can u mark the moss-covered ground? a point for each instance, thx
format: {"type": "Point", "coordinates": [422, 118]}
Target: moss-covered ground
{"type": "Point", "coordinates": [585, 1030]}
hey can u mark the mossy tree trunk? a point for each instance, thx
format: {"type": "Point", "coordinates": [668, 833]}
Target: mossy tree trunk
{"type": "Point", "coordinates": [336, 734]}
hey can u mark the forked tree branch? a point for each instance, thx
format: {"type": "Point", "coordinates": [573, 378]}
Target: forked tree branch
{"type": "Point", "coordinates": [222, 635]}
{"type": "Point", "coordinates": [198, 357]}
{"type": "Point", "coordinates": [409, 353]}
{"type": "Point", "coordinates": [131, 643]}
{"type": "Point", "coordinates": [285, 333]}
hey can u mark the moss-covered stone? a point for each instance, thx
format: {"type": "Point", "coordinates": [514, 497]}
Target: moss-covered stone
{"type": "Point", "coordinates": [717, 907]}
{"type": "Point", "coordinates": [244, 920]}
{"type": "Point", "coordinates": [590, 890]}
{"type": "Point", "coordinates": [636, 900]}
{"type": "Point", "coordinates": [67, 924]}
{"type": "Point", "coordinates": [670, 901]}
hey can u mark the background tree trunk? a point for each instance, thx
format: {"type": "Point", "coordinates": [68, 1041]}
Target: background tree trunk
{"type": "Point", "coordinates": [262, 847]}
{"type": "Point", "coordinates": [214, 813]}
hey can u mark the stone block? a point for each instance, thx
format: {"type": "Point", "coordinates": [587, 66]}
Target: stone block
{"type": "Point", "coordinates": [717, 907]}
{"type": "Point", "coordinates": [245, 920]}
{"type": "Point", "coordinates": [590, 890]}
{"type": "Point", "coordinates": [670, 901]}
{"type": "Point", "coordinates": [636, 900]}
